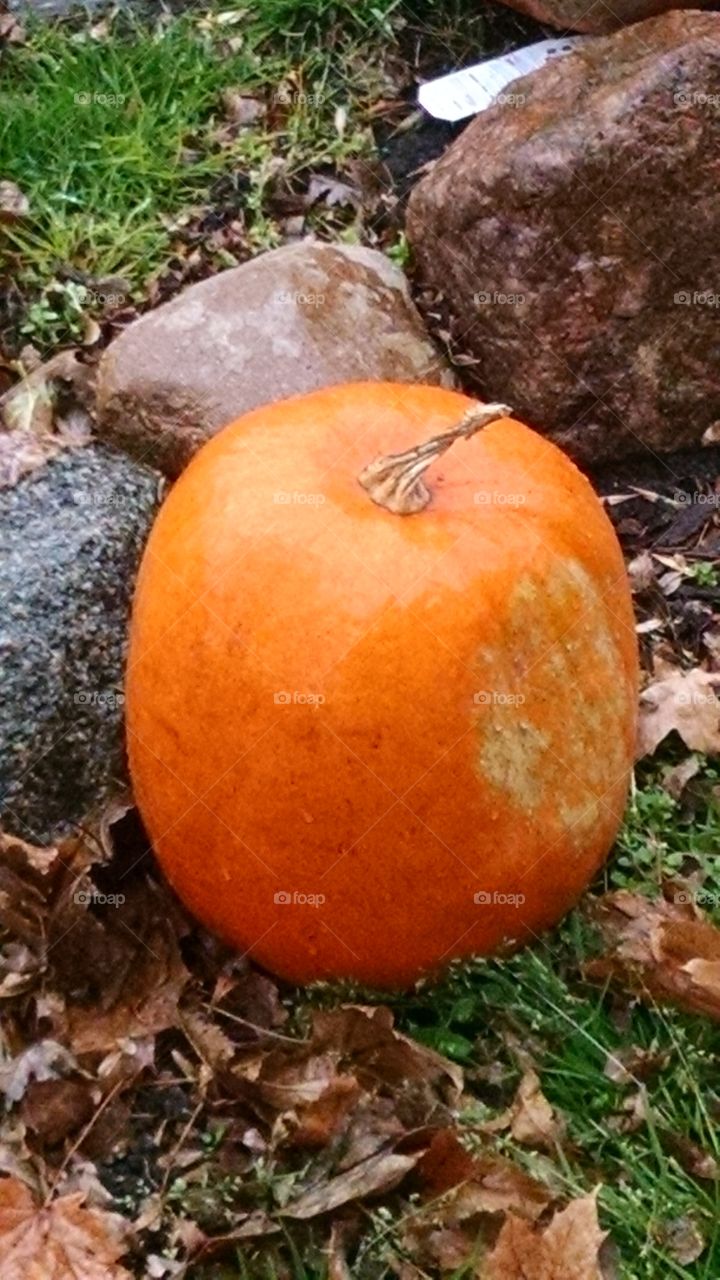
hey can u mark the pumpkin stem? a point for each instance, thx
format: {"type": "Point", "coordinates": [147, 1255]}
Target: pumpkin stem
{"type": "Point", "coordinates": [395, 481]}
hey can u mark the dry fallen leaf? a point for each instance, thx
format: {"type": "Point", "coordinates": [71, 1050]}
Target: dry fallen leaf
{"type": "Point", "coordinates": [11, 31]}
{"type": "Point", "coordinates": [464, 1200]}
{"type": "Point", "coordinates": [326, 1118]}
{"type": "Point", "coordinates": [36, 430]}
{"type": "Point", "coordinates": [366, 1037]}
{"type": "Point", "coordinates": [58, 1241]}
{"type": "Point", "coordinates": [684, 702]}
{"type": "Point", "coordinates": [331, 192]}
{"type": "Point", "coordinates": [682, 1239]}
{"type": "Point", "coordinates": [480, 1183]}
{"type": "Point", "coordinates": [381, 1172]}
{"type": "Point", "coordinates": [136, 945]}
{"type": "Point", "coordinates": [28, 405]}
{"type": "Point", "coordinates": [530, 1118]}
{"type": "Point", "coordinates": [41, 1061]}
{"type": "Point", "coordinates": [13, 203]}
{"type": "Point", "coordinates": [241, 108]}
{"type": "Point", "coordinates": [691, 1157]}
{"type": "Point", "coordinates": [52, 1109]}
{"type": "Point", "coordinates": [676, 778]}
{"type": "Point", "coordinates": [641, 572]}
{"type": "Point", "coordinates": [567, 1249]}
{"type": "Point", "coordinates": [664, 949]}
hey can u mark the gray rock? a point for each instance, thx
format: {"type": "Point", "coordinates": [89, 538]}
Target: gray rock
{"type": "Point", "coordinates": [70, 541]}
{"type": "Point", "coordinates": [574, 231]}
{"type": "Point", "coordinates": [290, 321]}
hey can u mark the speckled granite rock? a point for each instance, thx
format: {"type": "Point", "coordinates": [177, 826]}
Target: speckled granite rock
{"type": "Point", "coordinates": [290, 321]}
{"type": "Point", "coordinates": [70, 540]}
{"type": "Point", "coordinates": [575, 235]}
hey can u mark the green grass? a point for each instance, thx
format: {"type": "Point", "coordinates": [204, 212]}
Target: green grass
{"type": "Point", "coordinates": [539, 1000]}
{"type": "Point", "coordinates": [112, 139]}
{"type": "Point", "coordinates": [113, 136]}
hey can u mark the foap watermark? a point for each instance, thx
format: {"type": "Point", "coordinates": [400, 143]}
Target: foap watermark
{"type": "Point", "coordinates": [498, 498]}
{"type": "Point", "coordinates": [297, 899]}
{"type": "Point", "coordinates": [510, 99]}
{"type": "Point", "coordinates": [697, 698]}
{"type": "Point", "coordinates": [685, 99]}
{"type": "Point", "coordinates": [99, 99]}
{"type": "Point", "coordinates": [93, 897]}
{"type": "Point", "coordinates": [104, 298]}
{"type": "Point", "coordinates": [492, 698]}
{"type": "Point", "coordinates": [696, 898]}
{"type": "Point", "coordinates": [697, 499]}
{"type": "Point", "coordinates": [287, 96]}
{"type": "Point", "coordinates": [484, 898]}
{"type": "Point", "coordinates": [89, 498]}
{"type": "Point", "coordinates": [290, 697]}
{"type": "Point", "coordinates": [300, 298]}
{"type": "Point", "coordinates": [296, 498]}
{"type": "Point", "coordinates": [493, 299]}
{"type": "Point", "coordinates": [99, 698]}
{"type": "Point", "coordinates": [696, 298]}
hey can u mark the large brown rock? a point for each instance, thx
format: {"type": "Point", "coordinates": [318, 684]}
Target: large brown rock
{"type": "Point", "coordinates": [289, 321]}
{"type": "Point", "coordinates": [596, 16]}
{"type": "Point", "coordinates": [575, 234]}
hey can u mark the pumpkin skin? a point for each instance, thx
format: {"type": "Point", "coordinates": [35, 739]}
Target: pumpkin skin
{"type": "Point", "coordinates": [426, 721]}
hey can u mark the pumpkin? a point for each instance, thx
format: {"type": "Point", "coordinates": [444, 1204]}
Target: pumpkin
{"type": "Point", "coordinates": [382, 683]}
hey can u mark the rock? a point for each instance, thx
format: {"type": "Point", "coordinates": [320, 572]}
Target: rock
{"type": "Point", "coordinates": [70, 541]}
{"type": "Point", "coordinates": [287, 322]}
{"type": "Point", "coordinates": [598, 18]}
{"type": "Point", "coordinates": [575, 234]}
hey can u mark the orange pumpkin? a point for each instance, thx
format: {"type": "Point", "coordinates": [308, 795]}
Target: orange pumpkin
{"type": "Point", "coordinates": [380, 716]}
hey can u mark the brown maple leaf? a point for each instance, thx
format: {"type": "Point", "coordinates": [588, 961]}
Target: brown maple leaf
{"type": "Point", "coordinates": [567, 1249]}
{"type": "Point", "coordinates": [61, 1240]}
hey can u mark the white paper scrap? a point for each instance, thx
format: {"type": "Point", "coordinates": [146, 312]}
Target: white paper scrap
{"type": "Point", "coordinates": [463, 93]}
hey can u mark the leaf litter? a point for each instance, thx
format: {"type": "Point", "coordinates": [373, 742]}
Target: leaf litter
{"type": "Point", "coordinates": [147, 1069]}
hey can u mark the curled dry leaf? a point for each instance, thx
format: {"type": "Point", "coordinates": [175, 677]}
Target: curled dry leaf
{"type": "Point", "coordinates": [379, 1054]}
{"type": "Point", "coordinates": [641, 572]}
{"type": "Point", "coordinates": [675, 779]}
{"type": "Point", "coordinates": [684, 702]}
{"type": "Point", "coordinates": [682, 1239]}
{"type": "Point", "coordinates": [380, 1172]}
{"type": "Point", "coordinates": [41, 1061]}
{"type": "Point", "coordinates": [633, 1113]}
{"type": "Point", "coordinates": [29, 404]}
{"type": "Point", "coordinates": [139, 973]}
{"type": "Point", "coordinates": [487, 1183]}
{"type": "Point", "coordinates": [567, 1249]}
{"type": "Point", "coordinates": [530, 1118]}
{"type": "Point", "coordinates": [241, 108]}
{"type": "Point", "coordinates": [208, 1040]}
{"type": "Point", "coordinates": [11, 31]}
{"type": "Point", "coordinates": [692, 1158]}
{"type": "Point", "coordinates": [14, 204]}
{"type": "Point", "coordinates": [326, 1118]}
{"type": "Point", "coordinates": [331, 192]}
{"type": "Point", "coordinates": [663, 949]}
{"type": "Point", "coordinates": [52, 1109]}
{"type": "Point", "coordinates": [58, 1241]}
{"type": "Point", "coordinates": [464, 1200]}
{"type": "Point", "coordinates": [35, 429]}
